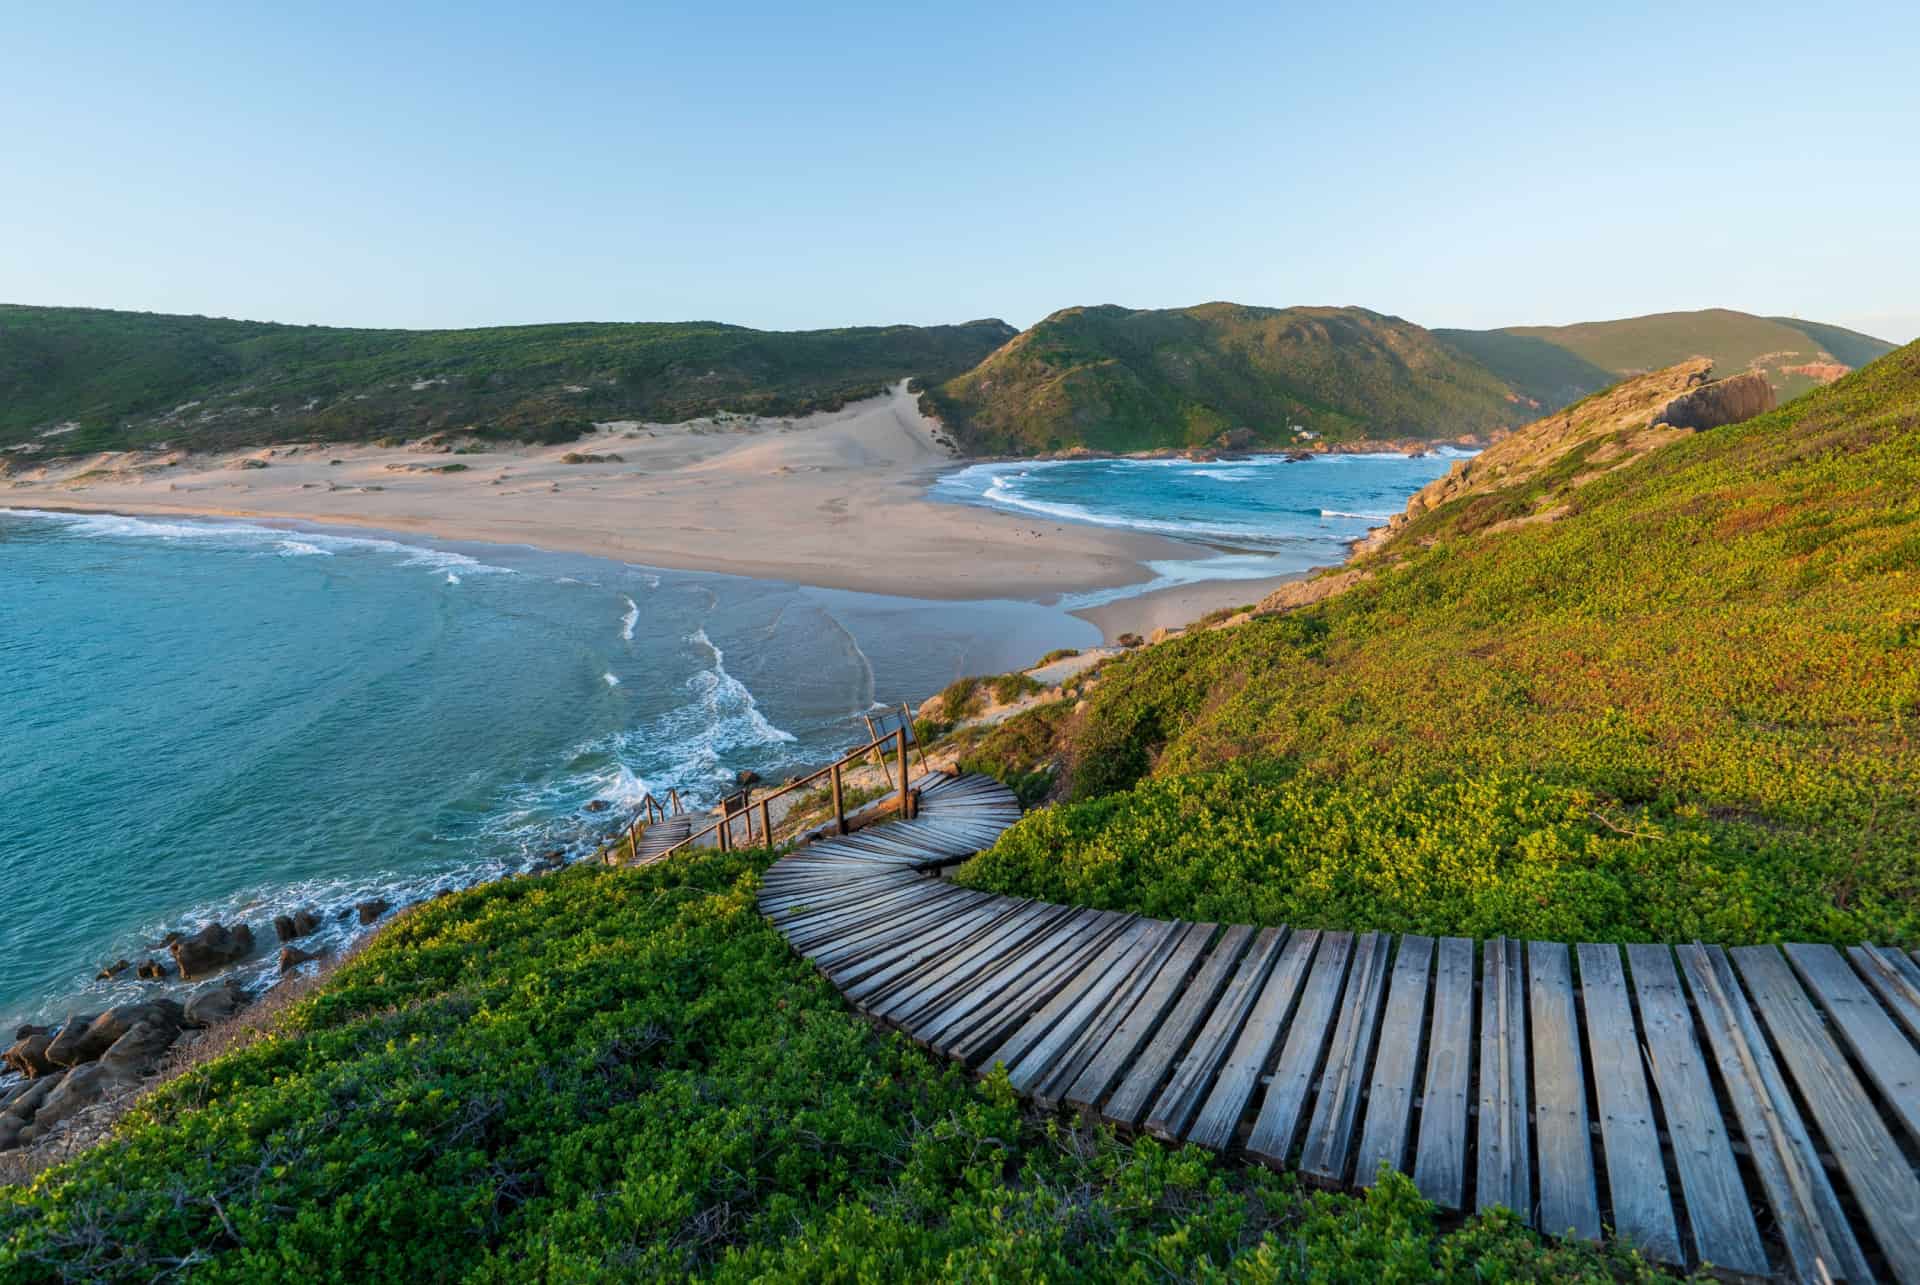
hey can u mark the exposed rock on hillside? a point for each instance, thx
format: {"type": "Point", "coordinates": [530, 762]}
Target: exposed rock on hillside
{"type": "Point", "coordinates": [1528, 475]}
{"type": "Point", "coordinates": [1728, 401]}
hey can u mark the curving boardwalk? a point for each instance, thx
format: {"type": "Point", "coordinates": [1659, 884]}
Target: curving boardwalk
{"type": "Point", "coordinates": [1756, 1108]}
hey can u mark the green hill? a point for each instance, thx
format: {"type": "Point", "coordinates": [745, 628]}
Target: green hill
{"type": "Point", "coordinates": [1120, 379]}
{"type": "Point", "coordinates": [1683, 709]}
{"type": "Point", "coordinates": [1558, 364]}
{"type": "Point", "coordinates": [82, 379]}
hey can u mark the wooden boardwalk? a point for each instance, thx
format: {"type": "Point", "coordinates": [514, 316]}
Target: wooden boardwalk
{"type": "Point", "coordinates": [1757, 1108]}
{"type": "Point", "coordinates": [662, 835]}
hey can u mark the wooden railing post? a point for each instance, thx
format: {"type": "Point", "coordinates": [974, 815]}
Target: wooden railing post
{"type": "Point", "coordinates": [839, 805]}
{"type": "Point", "coordinates": [766, 824]}
{"type": "Point", "coordinates": [906, 799]}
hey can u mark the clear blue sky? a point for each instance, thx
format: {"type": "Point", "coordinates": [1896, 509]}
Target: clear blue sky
{"type": "Point", "coordinates": [785, 165]}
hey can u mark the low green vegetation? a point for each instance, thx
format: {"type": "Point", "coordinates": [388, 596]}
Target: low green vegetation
{"type": "Point", "coordinates": [1058, 653]}
{"type": "Point", "coordinates": [1686, 708]}
{"type": "Point", "coordinates": [74, 380]}
{"type": "Point", "coordinates": [1118, 379]}
{"type": "Point", "coordinates": [627, 1074]}
{"type": "Point", "coordinates": [965, 697]}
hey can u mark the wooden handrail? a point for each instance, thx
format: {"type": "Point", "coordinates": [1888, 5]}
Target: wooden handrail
{"type": "Point", "coordinates": [724, 825]}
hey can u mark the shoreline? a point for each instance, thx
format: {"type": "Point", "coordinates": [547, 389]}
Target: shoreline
{"type": "Point", "coordinates": [835, 500]}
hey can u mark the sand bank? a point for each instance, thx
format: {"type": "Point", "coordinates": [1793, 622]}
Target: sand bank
{"type": "Point", "coordinates": [835, 499]}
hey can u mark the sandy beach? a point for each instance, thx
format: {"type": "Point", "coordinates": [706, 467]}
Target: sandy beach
{"type": "Point", "coordinates": [835, 499]}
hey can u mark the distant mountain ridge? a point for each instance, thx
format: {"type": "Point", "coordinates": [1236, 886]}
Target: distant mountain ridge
{"type": "Point", "coordinates": [77, 380]}
{"type": "Point", "coordinates": [1118, 379]}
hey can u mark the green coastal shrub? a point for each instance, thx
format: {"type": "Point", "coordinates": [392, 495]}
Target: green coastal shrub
{"type": "Point", "coordinates": [610, 1074]}
{"type": "Point", "coordinates": [1496, 854]}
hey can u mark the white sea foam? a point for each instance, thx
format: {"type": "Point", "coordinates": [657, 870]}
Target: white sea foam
{"type": "Point", "coordinates": [252, 535]}
{"type": "Point", "coordinates": [452, 578]}
{"type": "Point", "coordinates": [628, 621]}
{"type": "Point", "coordinates": [612, 679]}
{"type": "Point", "coordinates": [1369, 517]}
{"type": "Point", "coordinates": [736, 721]}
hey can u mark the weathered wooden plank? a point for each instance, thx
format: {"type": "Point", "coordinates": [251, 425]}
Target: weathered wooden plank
{"type": "Point", "coordinates": [987, 1026]}
{"type": "Point", "coordinates": [1329, 1144]}
{"type": "Point", "coordinates": [1888, 1057]}
{"type": "Point", "coordinates": [863, 974]}
{"type": "Point", "coordinates": [1239, 1076]}
{"type": "Point", "coordinates": [1718, 1211]}
{"type": "Point", "coordinates": [1278, 1123]}
{"type": "Point", "coordinates": [1504, 1175]}
{"type": "Point", "coordinates": [1032, 1046]}
{"type": "Point", "coordinates": [1895, 979]}
{"type": "Point", "coordinates": [1383, 1139]}
{"type": "Point", "coordinates": [1140, 968]}
{"type": "Point", "coordinates": [1807, 1214]}
{"type": "Point", "coordinates": [1569, 1197]}
{"type": "Point", "coordinates": [1161, 990]}
{"type": "Point", "coordinates": [1629, 1135]}
{"type": "Point", "coordinates": [1191, 1080]}
{"type": "Point", "coordinates": [1440, 1155]}
{"type": "Point", "coordinates": [1882, 1182]}
{"type": "Point", "coordinates": [903, 997]}
{"type": "Point", "coordinates": [1189, 1008]}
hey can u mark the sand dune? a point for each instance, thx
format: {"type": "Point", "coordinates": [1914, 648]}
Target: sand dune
{"type": "Point", "coordinates": [835, 499]}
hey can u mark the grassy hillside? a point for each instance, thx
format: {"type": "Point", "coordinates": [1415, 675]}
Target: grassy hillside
{"type": "Point", "coordinates": [1684, 709]}
{"type": "Point", "coordinates": [1794, 355]}
{"type": "Point", "coordinates": [1118, 379]}
{"type": "Point", "coordinates": [119, 379]}
{"type": "Point", "coordinates": [604, 1075]}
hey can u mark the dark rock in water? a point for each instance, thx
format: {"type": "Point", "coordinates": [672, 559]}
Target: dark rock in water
{"type": "Point", "coordinates": [1723, 402]}
{"type": "Point", "coordinates": [1299, 457]}
{"type": "Point", "coordinates": [298, 924]}
{"type": "Point", "coordinates": [215, 1003]}
{"type": "Point", "coordinates": [745, 777]}
{"type": "Point", "coordinates": [76, 1044]}
{"type": "Point", "coordinates": [372, 910]}
{"type": "Point", "coordinates": [21, 1032]}
{"type": "Point", "coordinates": [213, 947]}
{"type": "Point", "coordinates": [165, 942]}
{"type": "Point", "coordinates": [598, 805]}
{"type": "Point", "coordinates": [28, 1055]}
{"type": "Point", "coordinates": [291, 957]}
{"type": "Point", "coordinates": [114, 969]}
{"type": "Point", "coordinates": [151, 970]}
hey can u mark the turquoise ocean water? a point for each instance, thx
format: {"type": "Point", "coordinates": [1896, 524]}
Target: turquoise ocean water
{"type": "Point", "coordinates": [228, 720]}
{"type": "Point", "coordinates": [1260, 516]}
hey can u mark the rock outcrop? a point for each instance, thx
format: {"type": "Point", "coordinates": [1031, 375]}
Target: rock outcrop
{"type": "Point", "coordinates": [1720, 403]}
{"type": "Point", "coordinates": [211, 949]}
{"type": "Point", "coordinates": [1609, 428]}
{"type": "Point", "coordinates": [215, 1003]}
{"type": "Point", "coordinates": [296, 925]}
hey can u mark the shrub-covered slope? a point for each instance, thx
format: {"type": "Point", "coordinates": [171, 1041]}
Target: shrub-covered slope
{"type": "Point", "coordinates": [605, 1075]}
{"type": "Point", "coordinates": [1687, 708]}
{"type": "Point", "coordinates": [83, 379]}
{"type": "Point", "coordinates": [1121, 379]}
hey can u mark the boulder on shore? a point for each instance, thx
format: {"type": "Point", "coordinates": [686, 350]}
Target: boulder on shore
{"type": "Point", "coordinates": [78, 1044]}
{"type": "Point", "coordinates": [151, 970]}
{"type": "Point", "coordinates": [28, 1055]}
{"type": "Point", "coordinates": [298, 924]}
{"type": "Point", "coordinates": [372, 910]}
{"type": "Point", "coordinates": [114, 969]}
{"type": "Point", "coordinates": [291, 957]}
{"type": "Point", "coordinates": [212, 948]}
{"type": "Point", "coordinates": [215, 1003]}
{"type": "Point", "coordinates": [598, 805]}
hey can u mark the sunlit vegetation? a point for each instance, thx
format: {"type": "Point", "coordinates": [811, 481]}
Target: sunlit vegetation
{"type": "Point", "coordinates": [612, 1075]}
{"type": "Point", "coordinates": [1685, 709]}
